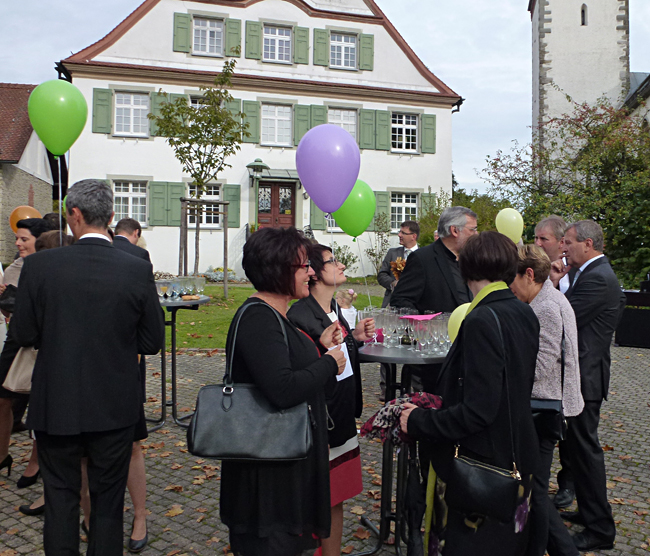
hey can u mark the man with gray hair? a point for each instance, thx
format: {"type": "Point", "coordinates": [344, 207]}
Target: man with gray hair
{"type": "Point", "coordinates": [598, 303]}
{"type": "Point", "coordinates": [89, 309]}
{"type": "Point", "coordinates": [549, 235]}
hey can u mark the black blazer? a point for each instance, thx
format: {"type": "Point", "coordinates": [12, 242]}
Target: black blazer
{"type": "Point", "coordinates": [427, 282]}
{"type": "Point", "coordinates": [476, 413]}
{"type": "Point", "coordinates": [598, 303]}
{"type": "Point", "coordinates": [385, 276]}
{"type": "Point", "coordinates": [90, 310]}
{"type": "Point", "coordinates": [123, 244]}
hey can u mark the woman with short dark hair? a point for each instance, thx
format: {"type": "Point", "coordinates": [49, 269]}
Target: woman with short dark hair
{"type": "Point", "coordinates": [278, 509]}
{"type": "Point", "coordinates": [482, 366]}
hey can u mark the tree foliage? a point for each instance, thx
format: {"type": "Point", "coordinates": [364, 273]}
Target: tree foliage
{"type": "Point", "coordinates": [380, 241]}
{"type": "Point", "coordinates": [593, 163]}
{"type": "Point", "coordinates": [203, 136]}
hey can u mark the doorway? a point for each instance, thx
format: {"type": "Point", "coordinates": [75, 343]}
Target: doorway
{"type": "Point", "coordinates": [276, 205]}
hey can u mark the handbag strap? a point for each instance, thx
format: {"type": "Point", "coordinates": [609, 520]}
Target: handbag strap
{"type": "Point", "coordinates": [227, 379]}
{"type": "Point", "coordinates": [562, 363]}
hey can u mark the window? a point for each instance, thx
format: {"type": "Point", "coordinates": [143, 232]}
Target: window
{"type": "Point", "coordinates": [347, 119]}
{"type": "Point", "coordinates": [343, 51]}
{"type": "Point", "coordinates": [197, 102]}
{"type": "Point", "coordinates": [131, 114]}
{"type": "Point", "coordinates": [276, 125]}
{"type": "Point", "coordinates": [130, 200]}
{"type": "Point", "coordinates": [210, 193]}
{"type": "Point", "coordinates": [403, 206]}
{"type": "Point", "coordinates": [583, 15]}
{"type": "Point", "coordinates": [404, 133]}
{"type": "Point", "coordinates": [208, 36]}
{"type": "Point", "coordinates": [277, 44]}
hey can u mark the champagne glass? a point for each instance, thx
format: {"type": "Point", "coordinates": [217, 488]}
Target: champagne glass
{"type": "Point", "coordinates": [419, 331]}
{"type": "Point", "coordinates": [200, 285]}
{"type": "Point", "coordinates": [400, 328]}
{"type": "Point", "coordinates": [160, 291]}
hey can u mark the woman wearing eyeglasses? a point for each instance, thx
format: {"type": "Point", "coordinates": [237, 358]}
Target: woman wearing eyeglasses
{"type": "Point", "coordinates": [273, 508]}
{"type": "Point", "coordinates": [313, 315]}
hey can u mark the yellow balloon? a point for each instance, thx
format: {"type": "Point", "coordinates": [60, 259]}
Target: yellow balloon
{"type": "Point", "coordinates": [456, 319]}
{"type": "Point", "coordinates": [510, 223]}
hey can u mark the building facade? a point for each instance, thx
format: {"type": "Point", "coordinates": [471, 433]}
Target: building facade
{"type": "Point", "coordinates": [300, 63]}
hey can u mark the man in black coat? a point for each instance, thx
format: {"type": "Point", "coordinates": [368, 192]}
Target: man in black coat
{"type": "Point", "coordinates": [598, 303]}
{"type": "Point", "coordinates": [89, 309]}
{"type": "Point", "coordinates": [127, 234]}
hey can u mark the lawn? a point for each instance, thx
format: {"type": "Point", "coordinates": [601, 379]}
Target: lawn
{"type": "Point", "coordinates": [208, 326]}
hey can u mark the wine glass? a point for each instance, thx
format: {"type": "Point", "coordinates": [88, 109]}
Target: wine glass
{"type": "Point", "coordinates": [200, 285]}
{"type": "Point", "coordinates": [389, 328]}
{"type": "Point", "coordinates": [419, 329]}
{"type": "Point", "coordinates": [401, 326]}
{"type": "Point", "coordinates": [160, 291]}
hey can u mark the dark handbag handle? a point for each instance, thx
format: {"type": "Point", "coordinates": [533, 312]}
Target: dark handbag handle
{"type": "Point", "coordinates": [562, 365]}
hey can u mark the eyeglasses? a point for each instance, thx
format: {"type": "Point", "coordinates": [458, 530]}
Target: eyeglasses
{"type": "Point", "coordinates": [304, 266]}
{"type": "Point", "coordinates": [332, 260]}
{"type": "Point", "coordinates": [405, 233]}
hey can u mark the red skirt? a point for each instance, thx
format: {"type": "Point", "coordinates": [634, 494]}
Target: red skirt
{"type": "Point", "coordinates": [345, 472]}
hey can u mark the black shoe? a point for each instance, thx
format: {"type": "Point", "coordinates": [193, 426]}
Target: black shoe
{"type": "Point", "coordinates": [588, 540]}
{"type": "Point", "coordinates": [137, 546]}
{"type": "Point", "coordinates": [26, 481]}
{"type": "Point", "coordinates": [28, 510]}
{"type": "Point", "coordinates": [85, 531]}
{"type": "Point", "coordinates": [564, 498]}
{"type": "Point", "coordinates": [572, 517]}
{"type": "Point", "coordinates": [7, 462]}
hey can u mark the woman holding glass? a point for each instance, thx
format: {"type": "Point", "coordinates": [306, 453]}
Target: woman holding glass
{"type": "Point", "coordinates": [485, 384]}
{"type": "Point", "coordinates": [273, 508]}
{"type": "Point", "coordinates": [313, 315]}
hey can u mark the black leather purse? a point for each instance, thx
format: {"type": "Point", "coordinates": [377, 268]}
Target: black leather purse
{"type": "Point", "coordinates": [548, 415]}
{"type": "Point", "coordinates": [235, 421]}
{"type": "Point", "coordinates": [477, 488]}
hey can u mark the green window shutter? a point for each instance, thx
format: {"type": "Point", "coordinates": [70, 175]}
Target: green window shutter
{"type": "Point", "coordinates": [383, 204]}
{"type": "Point", "coordinates": [366, 129]}
{"type": "Point", "coordinates": [426, 201]}
{"type": "Point", "coordinates": [174, 96]}
{"type": "Point", "coordinates": [174, 192]}
{"type": "Point", "coordinates": [428, 132]}
{"type": "Point", "coordinates": [254, 40]}
{"type": "Point", "coordinates": [232, 193]}
{"type": "Point", "coordinates": [321, 47]}
{"type": "Point", "coordinates": [234, 107]}
{"type": "Point", "coordinates": [301, 120]}
{"type": "Point", "coordinates": [366, 52]}
{"type": "Point", "coordinates": [251, 110]}
{"type": "Point", "coordinates": [317, 218]}
{"type": "Point", "coordinates": [102, 110]}
{"type": "Point", "coordinates": [157, 203]}
{"type": "Point", "coordinates": [301, 45]}
{"type": "Point", "coordinates": [233, 37]}
{"type": "Point", "coordinates": [157, 100]}
{"type": "Point", "coordinates": [182, 32]}
{"type": "Point", "coordinates": [318, 115]}
{"type": "Point", "coordinates": [382, 130]}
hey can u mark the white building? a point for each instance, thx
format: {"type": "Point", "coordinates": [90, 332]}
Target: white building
{"type": "Point", "coordinates": [301, 63]}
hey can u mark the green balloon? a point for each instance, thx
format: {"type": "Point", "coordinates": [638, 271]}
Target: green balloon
{"type": "Point", "coordinates": [358, 210]}
{"type": "Point", "coordinates": [58, 112]}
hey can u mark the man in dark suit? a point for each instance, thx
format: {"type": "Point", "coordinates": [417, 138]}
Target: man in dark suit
{"type": "Point", "coordinates": [89, 309]}
{"type": "Point", "coordinates": [431, 279]}
{"type": "Point", "coordinates": [598, 303]}
{"type": "Point", "coordinates": [127, 233]}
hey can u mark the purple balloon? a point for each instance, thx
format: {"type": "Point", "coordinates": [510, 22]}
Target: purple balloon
{"type": "Point", "coordinates": [328, 161]}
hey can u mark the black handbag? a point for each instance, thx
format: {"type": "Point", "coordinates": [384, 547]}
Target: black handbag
{"type": "Point", "coordinates": [548, 415]}
{"type": "Point", "coordinates": [477, 488]}
{"type": "Point", "coordinates": [235, 421]}
{"type": "Point", "coordinates": [8, 298]}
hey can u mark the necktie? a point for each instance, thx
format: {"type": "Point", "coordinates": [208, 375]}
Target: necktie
{"type": "Point", "coordinates": [575, 278]}
{"type": "Point", "coordinates": [407, 252]}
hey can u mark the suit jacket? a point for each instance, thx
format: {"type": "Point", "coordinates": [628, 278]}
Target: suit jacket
{"type": "Point", "coordinates": [385, 277]}
{"type": "Point", "coordinates": [90, 310]}
{"type": "Point", "coordinates": [476, 413]}
{"type": "Point", "coordinates": [123, 244]}
{"type": "Point", "coordinates": [598, 304]}
{"type": "Point", "coordinates": [427, 282]}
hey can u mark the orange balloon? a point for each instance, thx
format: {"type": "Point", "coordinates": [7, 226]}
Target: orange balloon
{"type": "Point", "coordinates": [20, 213]}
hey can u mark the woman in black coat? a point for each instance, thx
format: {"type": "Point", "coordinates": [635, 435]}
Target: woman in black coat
{"type": "Point", "coordinates": [475, 412]}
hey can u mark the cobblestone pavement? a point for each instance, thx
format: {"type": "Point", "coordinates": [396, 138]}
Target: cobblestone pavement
{"type": "Point", "coordinates": [183, 490]}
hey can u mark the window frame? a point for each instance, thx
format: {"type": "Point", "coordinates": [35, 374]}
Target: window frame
{"type": "Point", "coordinates": [132, 107]}
{"type": "Point", "coordinates": [340, 124]}
{"type": "Point", "coordinates": [403, 126]}
{"type": "Point", "coordinates": [289, 142]}
{"type": "Point", "coordinates": [403, 205]}
{"type": "Point", "coordinates": [222, 23]}
{"type": "Point", "coordinates": [130, 195]}
{"type": "Point", "coordinates": [276, 39]}
{"type": "Point", "coordinates": [191, 192]}
{"type": "Point", "coordinates": [344, 34]}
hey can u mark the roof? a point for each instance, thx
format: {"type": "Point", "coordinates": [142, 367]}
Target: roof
{"type": "Point", "coordinates": [15, 128]}
{"type": "Point", "coordinates": [639, 89]}
{"type": "Point", "coordinates": [377, 17]}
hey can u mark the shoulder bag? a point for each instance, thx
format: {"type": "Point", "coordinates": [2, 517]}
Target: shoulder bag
{"type": "Point", "coordinates": [478, 488]}
{"type": "Point", "coordinates": [548, 415]}
{"type": "Point", "coordinates": [19, 377]}
{"type": "Point", "coordinates": [235, 421]}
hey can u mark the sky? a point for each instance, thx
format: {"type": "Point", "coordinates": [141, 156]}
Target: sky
{"type": "Point", "coordinates": [482, 50]}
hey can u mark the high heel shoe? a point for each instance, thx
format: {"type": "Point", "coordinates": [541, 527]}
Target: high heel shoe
{"type": "Point", "coordinates": [7, 462]}
{"type": "Point", "coordinates": [28, 510]}
{"type": "Point", "coordinates": [26, 481]}
{"type": "Point", "coordinates": [139, 545]}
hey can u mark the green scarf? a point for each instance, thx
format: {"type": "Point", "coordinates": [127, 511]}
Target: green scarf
{"type": "Point", "coordinates": [485, 291]}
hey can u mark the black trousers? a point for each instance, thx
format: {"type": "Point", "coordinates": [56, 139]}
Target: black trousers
{"type": "Point", "coordinates": [564, 475]}
{"type": "Point", "coordinates": [547, 530]}
{"type": "Point", "coordinates": [59, 458]}
{"type": "Point", "coordinates": [589, 475]}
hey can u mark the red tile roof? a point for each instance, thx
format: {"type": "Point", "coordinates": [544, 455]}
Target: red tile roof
{"type": "Point", "coordinates": [15, 129]}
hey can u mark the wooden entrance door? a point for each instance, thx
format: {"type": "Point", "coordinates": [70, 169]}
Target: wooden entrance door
{"type": "Point", "coordinates": [276, 205]}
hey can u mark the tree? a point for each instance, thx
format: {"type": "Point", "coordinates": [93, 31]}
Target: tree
{"type": "Point", "coordinates": [203, 136]}
{"type": "Point", "coordinates": [593, 163]}
{"type": "Point", "coordinates": [380, 242]}
{"type": "Point", "coordinates": [344, 255]}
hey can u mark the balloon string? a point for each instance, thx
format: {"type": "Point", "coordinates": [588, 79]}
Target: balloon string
{"type": "Point", "coordinates": [60, 205]}
{"type": "Point", "coordinates": [328, 215]}
{"type": "Point", "coordinates": [363, 272]}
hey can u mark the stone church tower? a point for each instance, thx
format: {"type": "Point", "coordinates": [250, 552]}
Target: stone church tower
{"type": "Point", "coordinates": [580, 48]}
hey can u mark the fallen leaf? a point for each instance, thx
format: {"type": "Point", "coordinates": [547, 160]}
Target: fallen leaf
{"type": "Point", "coordinates": [200, 461]}
{"type": "Point", "coordinates": [177, 466]}
{"type": "Point", "coordinates": [624, 457]}
{"type": "Point", "coordinates": [180, 443]}
{"type": "Point", "coordinates": [173, 553]}
{"type": "Point", "coordinates": [12, 531]}
{"type": "Point", "coordinates": [201, 510]}
{"type": "Point", "coordinates": [607, 448]}
{"type": "Point", "coordinates": [175, 510]}
{"type": "Point", "coordinates": [198, 481]}
{"type": "Point", "coordinates": [362, 534]}
{"type": "Point", "coordinates": [357, 510]}
{"type": "Point", "coordinates": [347, 550]}
{"type": "Point", "coordinates": [639, 522]}
{"type": "Point", "coordinates": [610, 484]}
{"type": "Point", "coordinates": [8, 552]}
{"type": "Point", "coordinates": [165, 454]}
{"type": "Point", "coordinates": [200, 519]}
{"type": "Point", "coordinates": [155, 375]}
{"type": "Point", "coordinates": [175, 488]}
{"type": "Point", "coordinates": [641, 512]}
{"type": "Point", "coordinates": [621, 480]}
{"type": "Point", "coordinates": [376, 482]}
{"type": "Point", "coordinates": [375, 494]}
